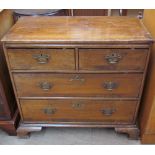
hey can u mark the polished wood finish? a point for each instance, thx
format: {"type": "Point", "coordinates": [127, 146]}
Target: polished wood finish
{"type": "Point", "coordinates": [32, 61]}
{"type": "Point", "coordinates": [78, 110]}
{"type": "Point", "coordinates": [147, 117]}
{"type": "Point", "coordinates": [8, 109]}
{"type": "Point", "coordinates": [77, 85]}
{"type": "Point", "coordinates": [57, 91]}
{"type": "Point", "coordinates": [127, 59]}
{"type": "Point", "coordinates": [78, 30]}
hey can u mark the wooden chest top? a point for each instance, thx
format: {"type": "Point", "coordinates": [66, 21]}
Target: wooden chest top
{"type": "Point", "coordinates": [78, 30]}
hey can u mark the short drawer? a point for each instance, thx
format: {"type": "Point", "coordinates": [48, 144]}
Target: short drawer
{"type": "Point", "coordinates": [106, 85]}
{"type": "Point", "coordinates": [112, 59]}
{"type": "Point", "coordinates": [41, 59]}
{"type": "Point", "coordinates": [78, 110]}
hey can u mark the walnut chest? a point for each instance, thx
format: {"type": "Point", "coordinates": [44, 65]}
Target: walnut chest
{"type": "Point", "coordinates": [78, 71]}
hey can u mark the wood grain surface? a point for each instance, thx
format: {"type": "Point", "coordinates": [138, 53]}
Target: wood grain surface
{"type": "Point", "coordinates": [87, 110]}
{"type": "Point", "coordinates": [128, 59]}
{"type": "Point", "coordinates": [58, 59]}
{"type": "Point", "coordinates": [101, 60]}
{"type": "Point", "coordinates": [78, 29]}
{"type": "Point", "coordinates": [147, 111]}
{"type": "Point", "coordinates": [83, 85]}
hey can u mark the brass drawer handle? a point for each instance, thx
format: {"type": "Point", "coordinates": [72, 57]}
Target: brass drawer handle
{"type": "Point", "coordinates": [108, 112]}
{"type": "Point", "coordinates": [113, 58]}
{"type": "Point", "coordinates": [49, 111]}
{"type": "Point", "coordinates": [45, 85]}
{"type": "Point", "coordinates": [77, 78]}
{"type": "Point", "coordinates": [41, 58]}
{"type": "Point", "coordinates": [78, 105]}
{"type": "Point", "coordinates": [110, 85]}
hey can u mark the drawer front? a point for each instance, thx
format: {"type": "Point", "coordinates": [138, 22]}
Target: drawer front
{"type": "Point", "coordinates": [112, 59]}
{"type": "Point", "coordinates": [78, 110]}
{"type": "Point", "coordinates": [42, 59]}
{"type": "Point", "coordinates": [106, 85]}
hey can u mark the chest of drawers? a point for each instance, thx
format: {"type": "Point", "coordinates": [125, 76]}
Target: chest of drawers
{"type": "Point", "coordinates": [78, 71]}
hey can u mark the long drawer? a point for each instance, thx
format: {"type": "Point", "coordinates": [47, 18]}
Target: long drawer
{"type": "Point", "coordinates": [41, 59]}
{"type": "Point", "coordinates": [78, 110]}
{"type": "Point", "coordinates": [106, 85]}
{"type": "Point", "coordinates": [112, 59]}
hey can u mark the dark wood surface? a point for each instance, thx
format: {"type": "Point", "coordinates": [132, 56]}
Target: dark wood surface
{"type": "Point", "coordinates": [90, 12]}
{"type": "Point", "coordinates": [9, 116]}
{"type": "Point", "coordinates": [39, 86]}
{"type": "Point", "coordinates": [78, 29]}
{"type": "Point", "coordinates": [10, 125]}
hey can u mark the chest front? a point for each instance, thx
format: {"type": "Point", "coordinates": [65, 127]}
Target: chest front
{"type": "Point", "coordinates": [84, 74]}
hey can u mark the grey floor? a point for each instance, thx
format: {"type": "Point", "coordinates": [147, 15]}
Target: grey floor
{"type": "Point", "coordinates": [70, 136]}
